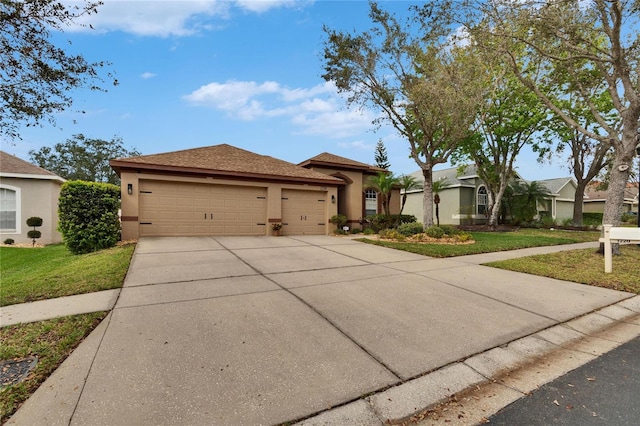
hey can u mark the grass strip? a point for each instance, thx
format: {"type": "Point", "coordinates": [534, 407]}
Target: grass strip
{"type": "Point", "coordinates": [582, 266]}
{"type": "Point", "coordinates": [51, 341]}
{"type": "Point", "coordinates": [30, 274]}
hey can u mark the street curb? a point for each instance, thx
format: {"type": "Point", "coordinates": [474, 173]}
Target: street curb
{"type": "Point", "coordinates": [497, 377]}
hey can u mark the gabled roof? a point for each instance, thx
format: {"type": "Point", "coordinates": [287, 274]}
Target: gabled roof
{"type": "Point", "coordinates": [451, 176]}
{"type": "Point", "coordinates": [12, 166]}
{"type": "Point", "coordinates": [224, 161]}
{"type": "Point", "coordinates": [555, 185]}
{"type": "Point", "coordinates": [592, 194]}
{"type": "Point", "coordinates": [331, 160]}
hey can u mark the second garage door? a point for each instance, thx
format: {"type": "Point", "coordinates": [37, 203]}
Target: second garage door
{"type": "Point", "coordinates": [303, 212]}
{"type": "Point", "coordinates": [186, 209]}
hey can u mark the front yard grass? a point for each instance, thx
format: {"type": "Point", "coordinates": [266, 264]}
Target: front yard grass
{"type": "Point", "coordinates": [51, 341]}
{"type": "Point", "coordinates": [30, 274]}
{"type": "Point", "coordinates": [488, 242]}
{"type": "Point", "coordinates": [583, 266]}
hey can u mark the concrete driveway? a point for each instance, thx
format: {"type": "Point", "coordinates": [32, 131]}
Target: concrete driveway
{"type": "Point", "coordinates": [266, 330]}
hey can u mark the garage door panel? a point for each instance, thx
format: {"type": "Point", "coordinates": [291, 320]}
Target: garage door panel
{"type": "Point", "coordinates": [304, 212]}
{"type": "Point", "coordinates": [169, 208]}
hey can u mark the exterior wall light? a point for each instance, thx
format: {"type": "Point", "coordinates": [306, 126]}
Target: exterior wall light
{"type": "Point", "coordinates": [129, 188]}
{"type": "Point", "coordinates": [333, 199]}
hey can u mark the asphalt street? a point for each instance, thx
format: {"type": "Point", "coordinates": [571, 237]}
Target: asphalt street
{"type": "Point", "coordinates": [605, 391]}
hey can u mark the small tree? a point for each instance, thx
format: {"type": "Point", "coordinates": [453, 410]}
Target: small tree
{"type": "Point", "coordinates": [437, 187]}
{"type": "Point", "coordinates": [34, 234]}
{"type": "Point", "coordinates": [383, 184]}
{"type": "Point", "coordinates": [382, 160]}
{"type": "Point", "coordinates": [407, 183]}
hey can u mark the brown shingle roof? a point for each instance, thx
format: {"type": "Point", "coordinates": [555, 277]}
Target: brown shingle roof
{"type": "Point", "coordinates": [223, 160]}
{"type": "Point", "coordinates": [328, 159]}
{"type": "Point", "coordinates": [594, 194]}
{"type": "Point", "coordinates": [12, 164]}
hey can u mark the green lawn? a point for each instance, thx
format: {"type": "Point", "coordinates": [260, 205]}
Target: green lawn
{"type": "Point", "coordinates": [487, 242]}
{"type": "Point", "coordinates": [30, 274]}
{"type": "Point", "coordinates": [583, 266]}
{"type": "Point", "coordinates": [51, 341]}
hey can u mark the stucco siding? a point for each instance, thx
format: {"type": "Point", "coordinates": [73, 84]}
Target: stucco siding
{"type": "Point", "coordinates": [36, 198]}
{"type": "Point", "coordinates": [131, 203]}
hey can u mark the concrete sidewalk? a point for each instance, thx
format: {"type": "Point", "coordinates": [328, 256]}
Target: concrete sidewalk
{"type": "Point", "coordinates": [263, 330]}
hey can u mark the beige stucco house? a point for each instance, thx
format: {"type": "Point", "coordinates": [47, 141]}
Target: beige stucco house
{"type": "Point", "coordinates": [27, 190]}
{"type": "Point", "coordinates": [465, 201]}
{"type": "Point", "coordinates": [594, 198]}
{"type": "Point", "coordinates": [224, 190]}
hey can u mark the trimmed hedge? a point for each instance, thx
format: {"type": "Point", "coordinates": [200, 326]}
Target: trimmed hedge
{"type": "Point", "coordinates": [89, 216]}
{"type": "Point", "coordinates": [593, 218]}
{"type": "Point", "coordinates": [382, 221]}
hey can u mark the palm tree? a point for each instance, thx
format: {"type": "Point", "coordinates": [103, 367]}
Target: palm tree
{"type": "Point", "coordinates": [437, 187]}
{"type": "Point", "coordinates": [525, 199]}
{"type": "Point", "coordinates": [383, 184]}
{"type": "Point", "coordinates": [407, 183]}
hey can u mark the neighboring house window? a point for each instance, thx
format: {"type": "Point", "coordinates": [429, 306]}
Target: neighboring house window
{"type": "Point", "coordinates": [8, 209]}
{"type": "Point", "coordinates": [482, 200]}
{"type": "Point", "coordinates": [370, 202]}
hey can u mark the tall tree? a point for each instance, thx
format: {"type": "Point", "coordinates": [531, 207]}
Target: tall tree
{"type": "Point", "coordinates": [382, 160]}
{"type": "Point", "coordinates": [577, 37]}
{"type": "Point", "coordinates": [509, 120]}
{"type": "Point", "coordinates": [36, 77]}
{"type": "Point", "coordinates": [81, 158]}
{"type": "Point", "coordinates": [423, 85]}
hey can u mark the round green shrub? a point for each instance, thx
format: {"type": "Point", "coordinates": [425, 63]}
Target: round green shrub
{"type": "Point", "coordinates": [339, 220]}
{"type": "Point", "coordinates": [368, 231]}
{"type": "Point", "coordinates": [411, 228]}
{"type": "Point", "coordinates": [434, 232]}
{"type": "Point", "coordinates": [34, 221]}
{"type": "Point", "coordinates": [9, 241]}
{"type": "Point", "coordinates": [34, 234]}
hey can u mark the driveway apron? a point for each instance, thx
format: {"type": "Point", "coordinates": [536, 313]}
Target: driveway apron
{"type": "Point", "coordinates": [266, 330]}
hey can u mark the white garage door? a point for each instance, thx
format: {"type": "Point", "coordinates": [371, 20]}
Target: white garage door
{"type": "Point", "coordinates": [186, 209]}
{"type": "Point", "coordinates": [303, 212]}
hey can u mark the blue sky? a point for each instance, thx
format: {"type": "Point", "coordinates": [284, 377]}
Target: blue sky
{"type": "Point", "coordinates": [245, 73]}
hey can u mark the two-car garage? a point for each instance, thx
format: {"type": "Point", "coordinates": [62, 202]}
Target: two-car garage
{"type": "Point", "coordinates": [222, 190]}
{"type": "Point", "coordinates": [190, 209]}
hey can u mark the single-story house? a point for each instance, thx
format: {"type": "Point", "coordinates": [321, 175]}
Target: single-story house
{"type": "Point", "coordinates": [464, 199]}
{"type": "Point", "coordinates": [356, 200]}
{"type": "Point", "coordinates": [594, 198]}
{"type": "Point", "coordinates": [27, 190]}
{"type": "Point", "coordinates": [224, 190]}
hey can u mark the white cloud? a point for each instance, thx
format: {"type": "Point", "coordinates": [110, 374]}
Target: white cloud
{"type": "Point", "coordinates": [147, 75]}
{"type": "Point", "coordinates": [166, 18]}
{"type": "Point", "coordinates": [318, 110]}
{"type": "Point", "coordinates": [357, 145]}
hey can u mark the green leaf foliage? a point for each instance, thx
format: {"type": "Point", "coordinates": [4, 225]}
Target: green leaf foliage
{"type": "Point", "coordinates": [89, 216]}
{"type": "Point", "coordinates": [34, 221]}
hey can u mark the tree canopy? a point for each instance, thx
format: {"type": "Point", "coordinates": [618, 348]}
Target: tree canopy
{"type": "Point", "coordinates": [423, 85]}
{"type": "Point", "coordinates": [82, 158]}
{"type": "Point", "coordinates": [36, 76]}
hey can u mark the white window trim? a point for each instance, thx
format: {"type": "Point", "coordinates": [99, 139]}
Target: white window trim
{"type": "Point", "coordinates": [18, 192]}
{"type": "Point", "coordinates": [370, 199]}
{"type": "Point", "coordinates": [486, 205]}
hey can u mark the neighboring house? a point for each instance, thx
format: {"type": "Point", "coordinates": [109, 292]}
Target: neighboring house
{"type": "Point", "coordinates": [563, 193]}
{"type": "Point", "coordinates": [465, 200]}
{"type": "Point", "coordinates": [224, 190]}
{"type": "Point", "coordinates": [27, 190]}
{"type": "Point", "coordinates": [594, 199]}
{"type": "Point", "coordinates": [355, 199]}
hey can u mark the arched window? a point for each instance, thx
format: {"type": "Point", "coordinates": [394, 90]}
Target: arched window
{"type": "Point", "coordinates": [9, 213]}
{"type": "Point", "coordinates": [370, 202]}
{"type": "Point", "coordinates": [482, 200]}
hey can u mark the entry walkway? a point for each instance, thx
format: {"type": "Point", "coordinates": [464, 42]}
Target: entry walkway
{"type": "Point", "coordinates": [322, 330]}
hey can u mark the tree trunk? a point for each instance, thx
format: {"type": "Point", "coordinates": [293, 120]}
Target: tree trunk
{"type": "Point", "coordinates": [427, 199]}
{"type": "Point", "coordinates": [578, 202]}
{"type": "Point", "coordinates": [615, 195]}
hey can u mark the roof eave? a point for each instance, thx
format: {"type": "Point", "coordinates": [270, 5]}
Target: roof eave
{"type": "Point", "coordinates": [119, 166]}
